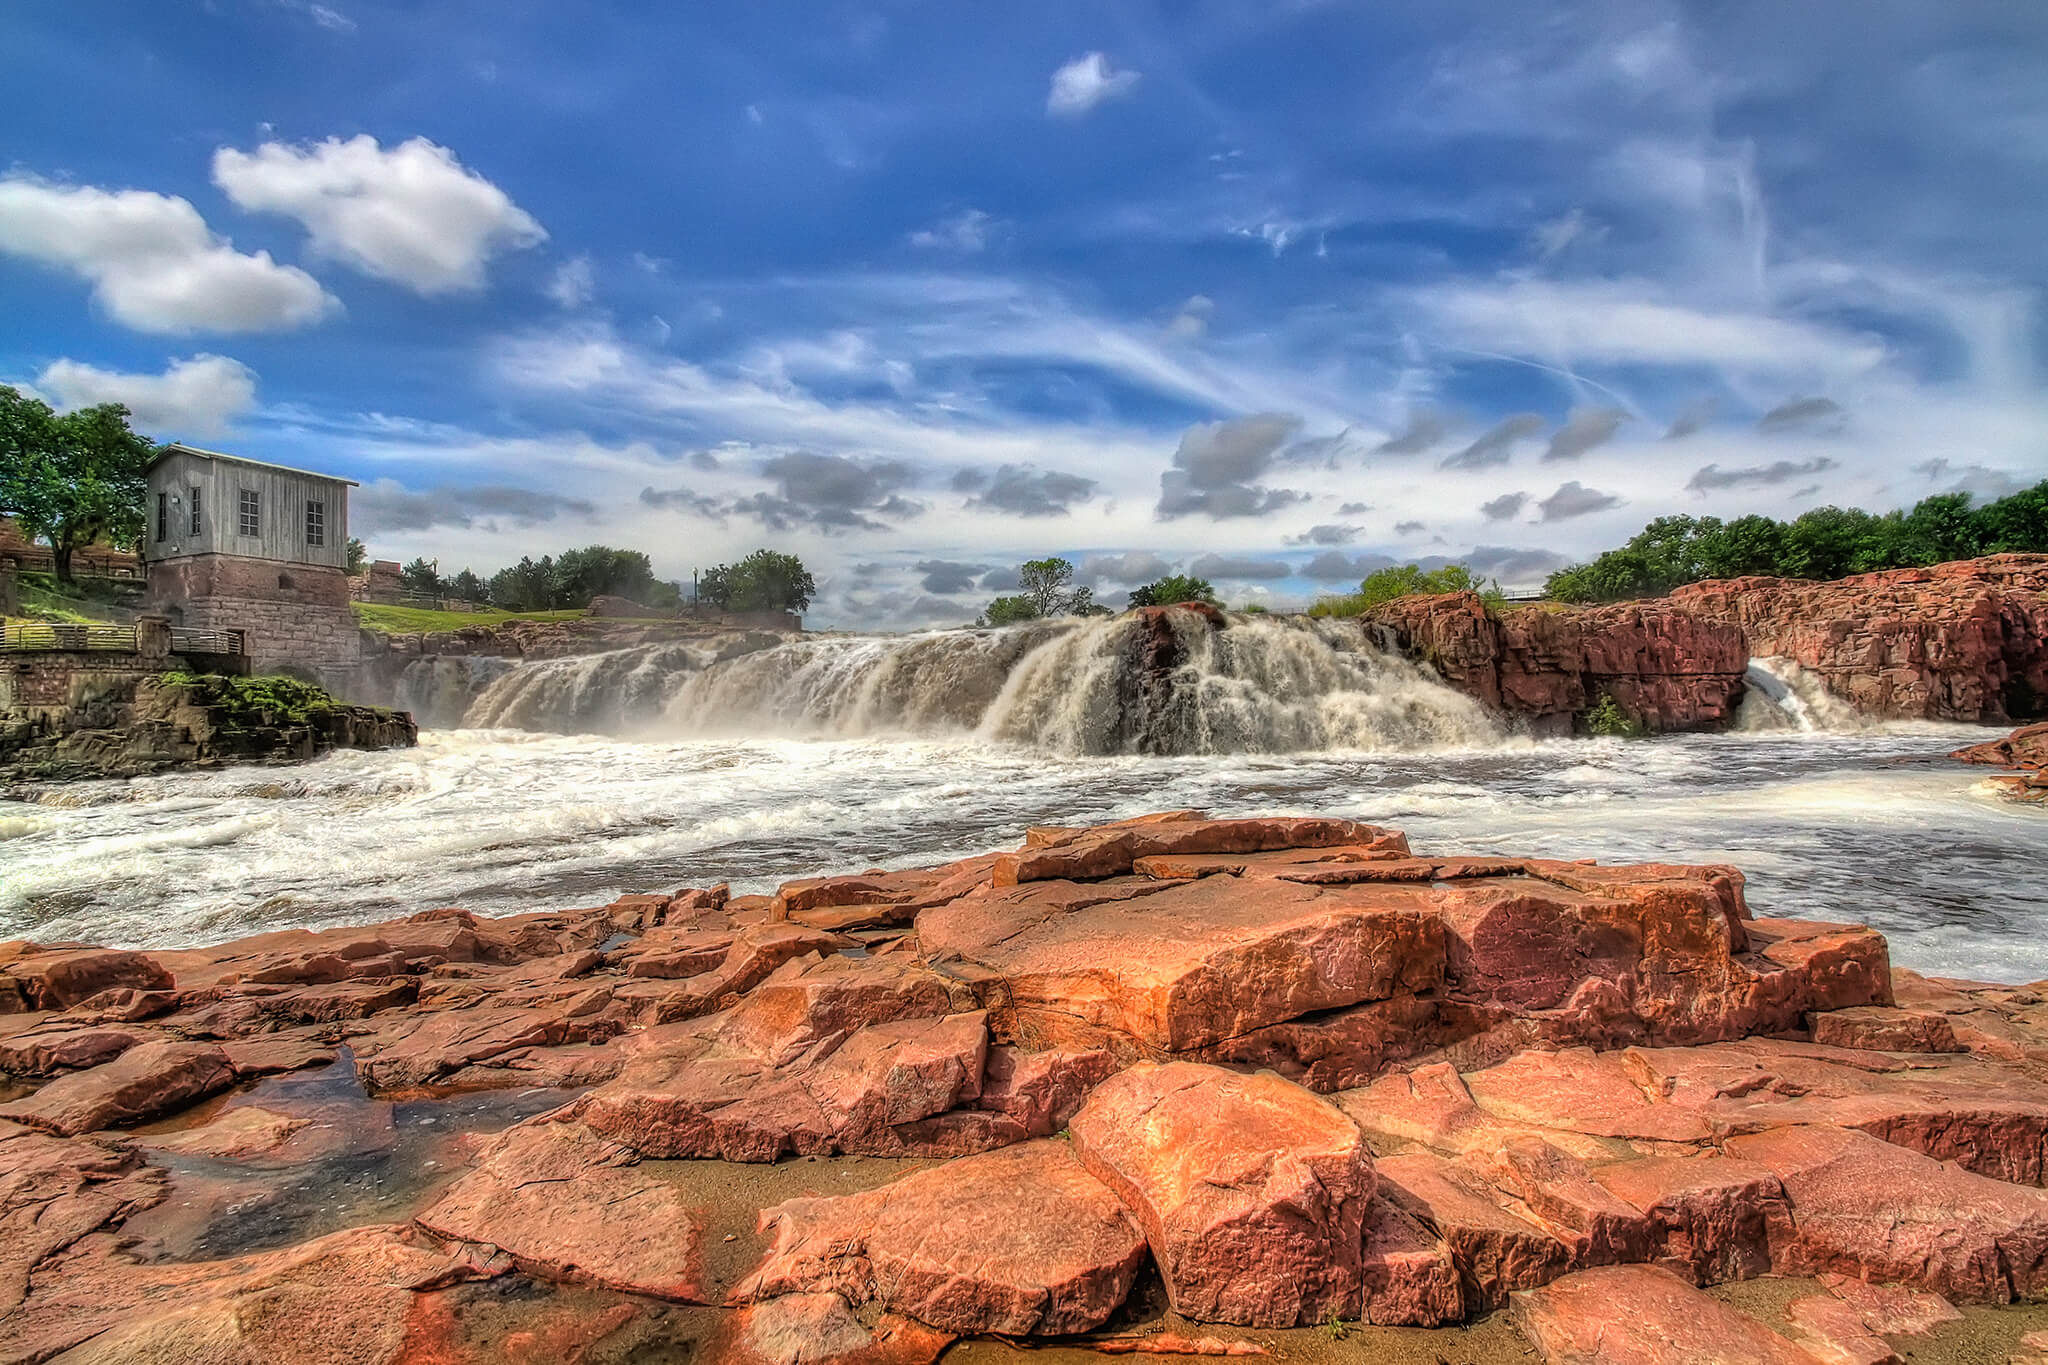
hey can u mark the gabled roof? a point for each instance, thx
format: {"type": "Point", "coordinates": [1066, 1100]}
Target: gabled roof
{"type": "Point", "coordinates": [180, 448]}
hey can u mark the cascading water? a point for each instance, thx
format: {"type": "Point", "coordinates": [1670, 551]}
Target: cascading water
{"type": "Point", "coordinates": [1779, 694]}
{"type": "Point", "coordinates": [1101, 686]}
{"type": "Point", "coordinates": [439, 688]}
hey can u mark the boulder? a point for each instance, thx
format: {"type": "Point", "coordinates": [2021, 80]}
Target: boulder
{"type": "Point", "coordinates": [1019, 1241]}
{"type": "Point", "coordinates": [1251, 1190]}
{"type": "Point", "coordinates": [42, 1052]}
{"type": "Point", "coordinates": [143, 1082]}
{"type": "Point", "coordinates": [1640, 1315]}
{"type": "Point", "coordinates": [1495, 1250]}
{"type": "Point", "coordinates": [568, 1205]}
{"type": "Point", "coordinates": [1866, 1208]}
{"type": "Point", "coordinates": [1407, 1276]}
{"type": "Point", "coordinates": [1714, 1217]}
{"type": "Point", "coordinates": [821, 1329]}
{"type": "Point", "coordinates": [57, 979]}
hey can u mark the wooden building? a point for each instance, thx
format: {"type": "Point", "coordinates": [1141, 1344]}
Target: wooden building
{"type": "Point", "coordinates": [240, 544]}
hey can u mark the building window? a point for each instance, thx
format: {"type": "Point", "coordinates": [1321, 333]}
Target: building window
{"type": "Point", "coordinates": [195, 510]}
{"type": "Point", "coordinates": [163, 517]}
{"type": "Point", "coordinates": [316, 523]}
{"type": "Point", "coordinates": [251, 520]}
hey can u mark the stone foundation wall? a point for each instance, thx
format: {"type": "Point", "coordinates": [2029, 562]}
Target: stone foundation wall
{"type": "Point", "coordinates": [294, 617]}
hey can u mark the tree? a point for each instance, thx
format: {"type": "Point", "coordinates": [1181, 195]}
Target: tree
{"type": "Point", "coordinates": [358, 556]}
{"type": "Point", "coordinates": [1048, 585]}
{"type": "Point", "coordinates": [1175, 587]}
{"type": "Point", "coordinates": [72, 479]}
{"type": "Point", "coordinates": [526, 586]}
{"type": "Point", "coordinates": [1406, 580]}
{"type": "Point", "coordinates": [421, 577]}
{"type": "Point", "coordinates": [468, 586]}
{"type": "Point", "coordinates": [765, 580]}
{"type": "Point", "coordinates": [1008, 611]}
{"type": "Point", "coordinates": [601, 571]}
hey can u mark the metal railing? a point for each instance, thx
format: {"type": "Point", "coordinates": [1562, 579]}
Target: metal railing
{"type": "Point", "coordinates": [32, 637]}
{"type": "Point", "coordinates": [206, 641]}
{"type": "Point", "coordinates": [43, 635]}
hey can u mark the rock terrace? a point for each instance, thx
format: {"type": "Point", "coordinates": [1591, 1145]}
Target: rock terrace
{"type": "Point", "coordinates": [1269, 1073]}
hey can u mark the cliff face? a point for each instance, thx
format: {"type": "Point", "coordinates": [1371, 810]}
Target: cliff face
{"type": "Point", "coordinates": [1667, 669]}
{"type": "Point", "coordinates": [1964, 641]}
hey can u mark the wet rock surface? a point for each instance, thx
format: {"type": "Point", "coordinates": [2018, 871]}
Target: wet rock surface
{"type": "Point", "coordinates": [1107, 1087]}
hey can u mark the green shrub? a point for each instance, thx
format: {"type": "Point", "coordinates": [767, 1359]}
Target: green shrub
{"type": "Point", "coordinates": [256, 701]}
{"type": "Point", "coordinates": [1607, 719]}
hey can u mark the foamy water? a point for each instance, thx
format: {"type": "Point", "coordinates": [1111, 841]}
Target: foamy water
{"type": "Point", "coordinates": [1874, 825]}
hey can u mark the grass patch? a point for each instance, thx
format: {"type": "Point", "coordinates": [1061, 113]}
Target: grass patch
{"type": "Point", "coordinates": [415, 620]}
{"type": "Point", "coordinates": [270, 700]}
{"type": "Point", "coordinates": [88, 602]}
{"type": "Point", "coordinates": [1606, 718]}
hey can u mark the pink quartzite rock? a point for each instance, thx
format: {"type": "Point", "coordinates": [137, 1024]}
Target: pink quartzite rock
{"type": "Point", "coordinates": [155, 1078]}
{"type": "Point", "coordinates": [1495, 1250]}
{"type": "Point", "coordinates": [1640, 1315]}
{"type": "Point", "coordinates": [1110, 850]}
{"type": "Point", "coordinates": [1252, 1191]}
{"type": "Point", "coordinates": [1834, 1332]}
{"type": "Point", "coordinates": [1714, 1216]}
{"type": "Point", "coordinates": [1018, 1241]}
{"type": "Point", "coordinates": [56, 1049]}
{"type": "Point", "coordinates": [237, 1135]}
{"type": "Point", "coordinates": [1409, 1279]}
{"type": "Point", "coordinates": [821, 1329]}
{"type": "Point", "coordinates": [1864, 1207]}
{"type": "Point", "coordinates": [568, 1205]}
{"type": "Point", "coordinates": [1892, 1310]}
{"type": "Point", "coordinates": [1041, 1090]}
{"type": "Point", "coordinates": [53, 1191]}
{"type": "Point", "coordinates": [58, 979]}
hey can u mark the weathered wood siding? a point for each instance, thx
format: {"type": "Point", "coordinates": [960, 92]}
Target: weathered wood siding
{"type": "Point", "coordinates": [281, 511]}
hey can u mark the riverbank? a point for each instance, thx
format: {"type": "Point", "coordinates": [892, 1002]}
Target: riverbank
{"type": "Point", "coordinates": [1418, 1088]}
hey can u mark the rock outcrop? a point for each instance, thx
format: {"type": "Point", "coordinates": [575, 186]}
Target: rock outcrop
{"type": "Point", "coordinates": [2025, 753]}
{"type": "Point", "coordinates": [1664, 667]}
{"type": "Point", "coordinates": [1297, 1069]}
{"type": "Point", "coordinates": [1963, 641]}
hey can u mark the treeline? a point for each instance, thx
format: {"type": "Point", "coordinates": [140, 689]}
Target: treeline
{"type": "Point", "coordinates": [763, 581]}
{"type": "Point", "coordinates": [1046, 588]}
{"type": "Point", "coordinates": [1828, 542]}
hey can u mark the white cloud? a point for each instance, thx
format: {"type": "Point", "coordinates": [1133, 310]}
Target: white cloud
{"type": "Point", "coordinates": [413, 215]}
{"type": "Point", "coordinates": [195, 397]}
{"type": "Point", "coordinates": [966, 231]}
{"type": "Point", "coordinates": [1085, 82]}
{"type": "Point", "coordinates": [153, 262]}
{"type": "Point", "coordinates": [574, 282]}
{"type": "Point", "coordinates": [1193, 318]}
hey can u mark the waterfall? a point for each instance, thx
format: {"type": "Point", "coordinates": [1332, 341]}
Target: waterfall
{"type": "Point", "coordinates": [439, 688]}
{"type": "Point", "coordinates": [1160, 683]}
{"type": "Point", "coordinates": [1779, 694]}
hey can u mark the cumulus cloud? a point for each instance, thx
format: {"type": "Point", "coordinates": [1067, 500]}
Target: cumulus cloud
{"type": "Point", "coordinates": [1497, 444]}
{"type": "Point", "coordinates": [1239, 567]}
{"type": "Point", "coordinates": [1423, 431]}
{"type": "Point", "coordinates": [1025, 491]}
{"type": "Point", "coordinates": [1334, 566]}
{"type": "Point", "coordinates": [1584, 429]}
{"type": "Point", "coordinates": [683, 500]}
{"type": "Point", "coordinates": [1193, 318]}
{"type": "Point", "coordinates": [1330, 534]}
{"type": "Point", "coordinates": [1514, 567]}
{"type": "Point", "coordinates": [1979, 481]}
{"type": "Point", "coordinates": [153, 263]}
{"type": "Point", "coordinates": [1802, 414]}
{"type": "Point", "coordinates": [386, 506]}
{"type": "Point", "coordinates": [1410, 528]}
{"type": "Point", "coordinates": [1574, 499]}
{"type": "Point", "coordinates": [1504, 507]}
{"type": "Point", "coordinates": [1003, 580]}
{"type": "Point", "coordinates": [1086, 82]}
{"type": "Point", "coordinates": [1691, 419]}
{"type": "Point", "coordinates": [413, 215]}
{"type": "Point", "coordinates": [195, 397]}
{"type": "Point", "coordinates": [1216, 464]}
{"type": "Point", "coordinates": [831, 492]}
{"type": "Point", "coordinates": [966, 232]}
{"type": "Point", "coordinates": [574, 282]}
{"type": "Point", "coordinates": [946, 578]}
{"type": "Point", "coordinates": [1133, 566]}
{"type": "Point", "coordinates": [1354, 509]}
{"type": "Point", "coordinates": [1712, 478]}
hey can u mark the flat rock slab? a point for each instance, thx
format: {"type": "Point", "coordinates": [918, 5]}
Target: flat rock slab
{"type": "Point", "coordinates": [1018, 1241]}
{"type": "Point", "coordinates": [821, 1329]}
{"type": "Point", "coordinates": [1251, 1190]}
{"type": "Point", "coordinates": [567, 1205]}
{"type": "Point", "coordinates": [1893, 1310]}
{"type": "Point", "coordinates": [143, 1082]}
{"type": "Point", "coordinates": [1640, 1315]}
{"type": "Point", "coordinates": [53, 1191]}
{"type": "Point", "coordinates": [1866, 1208]}
{"type": "Point", "coordinates": [237, 1135]}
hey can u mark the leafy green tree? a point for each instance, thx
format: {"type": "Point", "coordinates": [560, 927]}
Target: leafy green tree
{"type": "Point", "coordinates": [526, 586]}
{"type": "Point", "coordinates": [358, 556]}
{"type": "Point", "coordinates": [1407, 580]}
{"type": "Point", "coordinates": [74, 478]}
{"type": "Point", "coordinates": [1009, 611]}
{"type": "Point", "coordinates": [1175, 587]}
{"type": "Point", "coordinates": [600, 571]}
{"type": "Point", "coordinates": [1744, 546]}
{"type": "Point", "coordinates": [468, 586]}
{"type": "Point", "coordinates": [765, 580]}
{"type": "Point", "coordinates": [2016, 524]}
{"type": "Point", "coordinates": [420, 576]}
{"type": "Point", "coordinates": [1941, 528]}
{"type": "Point", "coordinates": [1048, 583]}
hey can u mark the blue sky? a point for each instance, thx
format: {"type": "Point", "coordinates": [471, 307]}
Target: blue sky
{"type": "Point", "coordinates": [1274, 291]}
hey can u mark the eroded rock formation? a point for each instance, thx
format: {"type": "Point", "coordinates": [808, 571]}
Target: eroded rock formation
{"type": "Point", "coordinates": [1266, 1072]}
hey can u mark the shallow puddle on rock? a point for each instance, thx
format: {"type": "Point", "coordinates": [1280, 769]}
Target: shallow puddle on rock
{"type": "Point", "coordinates": [358, 1160]}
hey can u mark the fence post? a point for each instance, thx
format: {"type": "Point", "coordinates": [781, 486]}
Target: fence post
{"type": "Point", "coordinates": [153, 638]}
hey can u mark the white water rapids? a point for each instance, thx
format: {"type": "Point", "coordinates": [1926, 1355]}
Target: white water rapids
{"type": "Point", "coordinates": [837, 755]}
